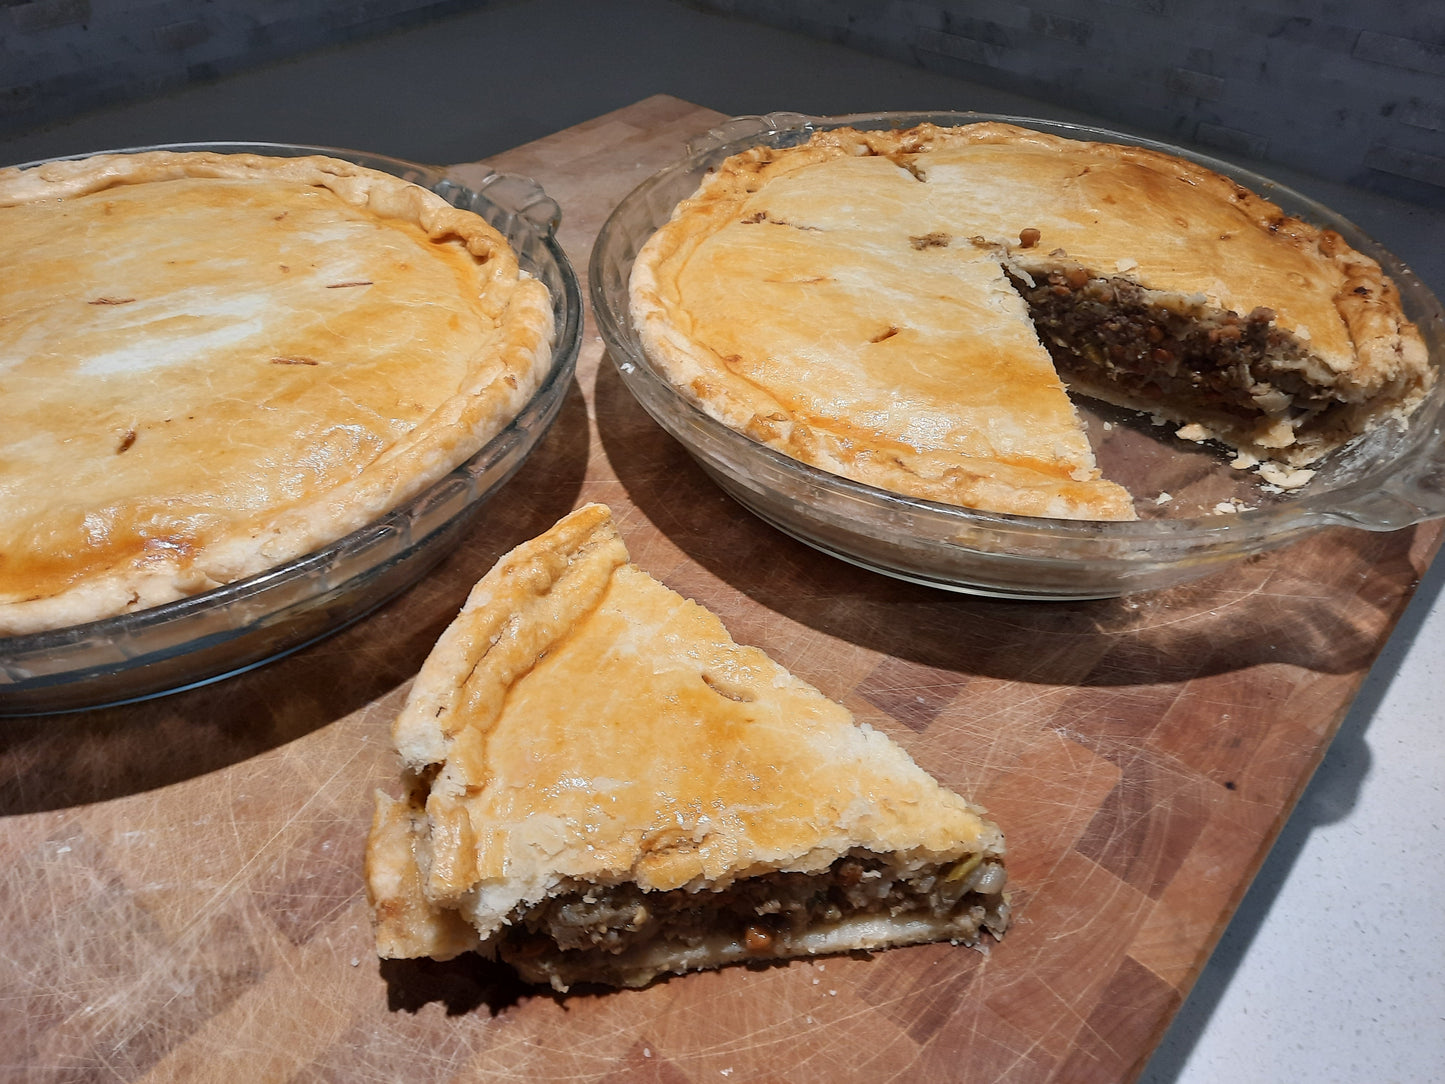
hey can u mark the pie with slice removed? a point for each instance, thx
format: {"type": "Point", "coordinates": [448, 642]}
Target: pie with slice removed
{"type": "Point", "coordinates": [906, 308]}
{"type": "Point", "coordinates": [602, 787]}
{"type": "Point", "coordinates": [211, 364]}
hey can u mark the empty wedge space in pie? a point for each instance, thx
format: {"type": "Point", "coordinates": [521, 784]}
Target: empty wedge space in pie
{"type": "Point", "coordinates": [909, 309]}
{"type": "Point", "coordinates": [601, 786]}
{"type": "Point", "coordinates": [213, 363]}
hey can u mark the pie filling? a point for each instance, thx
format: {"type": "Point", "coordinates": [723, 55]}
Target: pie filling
{"type": "Point", "coordinates": [1244, 373]}
{"type": "Point", "coordinates": [615, 933]}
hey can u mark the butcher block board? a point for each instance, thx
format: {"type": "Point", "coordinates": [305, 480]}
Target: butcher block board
{"type": "Point", "coordinates": [182, 898]}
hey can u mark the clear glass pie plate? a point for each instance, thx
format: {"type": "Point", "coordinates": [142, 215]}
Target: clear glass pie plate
{"type": "Point", "coordinates": [1197, 513]}
{"type": "Point", "coordinates": [241, 625]}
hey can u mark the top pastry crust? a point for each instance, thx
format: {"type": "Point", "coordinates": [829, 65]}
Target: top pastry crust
{"type": "Point", "coordinates": [579, 722]}
{"type": "Point", "coordinates": [854, 301]}
{"type": "Point", "coordinates": [211, 364]}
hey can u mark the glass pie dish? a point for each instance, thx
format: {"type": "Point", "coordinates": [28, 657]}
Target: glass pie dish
{"type": "Point", "coordinates": [1197, 513]}
{"type": "Point", "coordinates": [244, 624]}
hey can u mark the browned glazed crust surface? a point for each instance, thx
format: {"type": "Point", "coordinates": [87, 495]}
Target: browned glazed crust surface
{"type": "Point", "coordinates": [213, 363]}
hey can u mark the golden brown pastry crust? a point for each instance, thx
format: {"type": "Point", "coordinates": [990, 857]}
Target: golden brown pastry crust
{"type": "Point", "coordinates": [793, 296]}
{"type": "Point", "coordinates": [213, 363]}
{"type": "Point", "coordinates": [579, 722]}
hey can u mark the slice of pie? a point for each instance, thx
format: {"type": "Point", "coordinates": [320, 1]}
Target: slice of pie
{"type": "Point", "coordinates": [603, 787]}
{"type": "Point", "coordinates": [899, 307]}
{"type": "Point", "coordinates": [213, 363]}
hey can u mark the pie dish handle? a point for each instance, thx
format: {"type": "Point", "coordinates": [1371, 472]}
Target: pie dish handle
{"type": "Point", "coordinates": [736, 129]}
{"type": "Point", "coordinates": [510, 193]}
{"type": "Point", "coordinates": [1408, 496]}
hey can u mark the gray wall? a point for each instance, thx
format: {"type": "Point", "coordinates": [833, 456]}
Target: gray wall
{"type": "Point", "coordinates": [1350, 90]}
{"type": "Point", "coordinates": [59, 58]}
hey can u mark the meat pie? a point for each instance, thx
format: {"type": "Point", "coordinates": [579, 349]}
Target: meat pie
{"type": "Point", "coordinates": [602, 787]}
{"type": "Point", "coordinates": [212, 364]}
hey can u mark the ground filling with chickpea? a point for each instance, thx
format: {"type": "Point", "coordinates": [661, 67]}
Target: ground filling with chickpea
{"type": "Point", "coordinates": [767, 915]}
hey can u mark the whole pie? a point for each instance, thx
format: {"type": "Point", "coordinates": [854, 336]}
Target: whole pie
{"type": "Point", "coordinates": [602, 786]}
{"type": "Point", "coordinates": [908, 308]}
{"type": "Point", "coordinates": [213, 363]}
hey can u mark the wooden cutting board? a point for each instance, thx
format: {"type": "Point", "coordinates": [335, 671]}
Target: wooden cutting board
{"type": "Point", "coordinates": [181, 897]}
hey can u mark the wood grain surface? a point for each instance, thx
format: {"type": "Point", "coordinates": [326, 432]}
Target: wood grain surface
{"type": "Point", "coordinates": [181, 896]}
